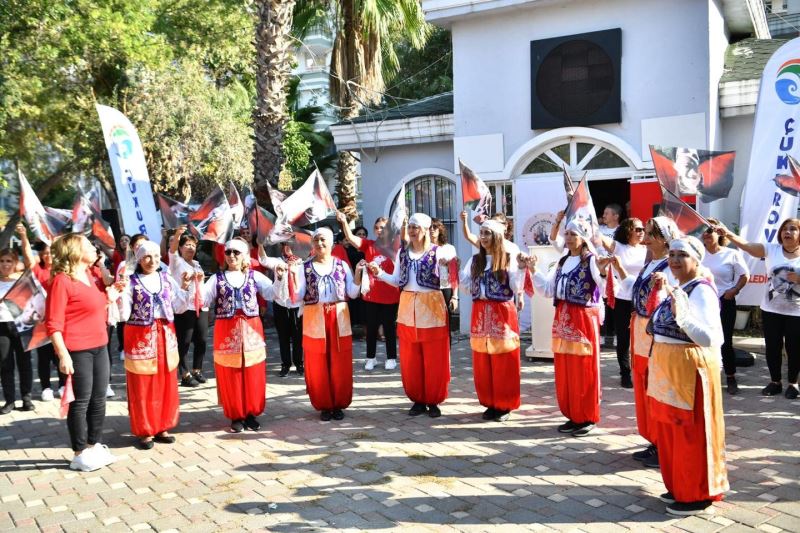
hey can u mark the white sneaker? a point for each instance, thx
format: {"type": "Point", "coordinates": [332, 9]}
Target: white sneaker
{"type": "Point", "coordinates": [121, 355]}
{"type": "Point", "coordinates": [370, 364]}
{"type": "Point", "coordinates": [47, 395]}
{"type": "Point", "coordinates": [60, 392]}
{"type": "Point", "coordinates": [391, 364]}
{"type": "Point", "coordinates": [87, 461]}
{"type": "Point", "coordinates": [109, 392]}
{"type": "Point", "coordinates": [103, 454]}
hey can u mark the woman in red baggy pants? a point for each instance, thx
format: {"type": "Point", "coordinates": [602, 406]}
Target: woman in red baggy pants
{"type": "Point", "coordinates": [239, 351]}
{"type": "Point", "coordinates": [576, 285]}
{"type": "Point", "coordinates": [684, 393]}
{"type": "Point", "coordinates": [422, 326]}
{"type": "Point", "coordinates": [148, 304]}
{"type": "Point", "coordinates": [325, 285]}
{"type": "Point", "coordinates": [648, 291]}
{"type": "Point", "coordinates": [492, 278]}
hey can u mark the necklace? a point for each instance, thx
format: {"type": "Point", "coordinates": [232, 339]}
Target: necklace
{"type": "Point", "coordinates": [791, 251]}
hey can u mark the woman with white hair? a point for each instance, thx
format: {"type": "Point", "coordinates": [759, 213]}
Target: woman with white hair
{"type": "Point", "coordinates": [326, 284]}
{"type": "Point", "coordinates": [492, 277]}
{"type": "Point", "coordinates": [148, 306]}
{"type": "Point", "coordinates": [421, 319]}
{"type": "Point", "coordinates": [576, 285]}
{"type": "Point", "coordinates": [648, 291]}
{"type": "Point", "coordinates": [239, 351]}
{"type": "Point", "coordinates": [683, 393]}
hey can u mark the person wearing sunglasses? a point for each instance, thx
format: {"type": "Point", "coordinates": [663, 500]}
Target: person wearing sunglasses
{"type": "Point", "coordinates": [625, 262]}
{"type": "Point", "coordinates": [575, 285]}
{"type": "Point", "coordinates": [683, 393]}
{"type": "Point", "coordinates": [239, 350]}
{"type": "Point", "coordinates": [647, 291]}
{"type": "Point", "coordinates": [780, 307]}
{"type": "Point", "coordinates": [730, 272]}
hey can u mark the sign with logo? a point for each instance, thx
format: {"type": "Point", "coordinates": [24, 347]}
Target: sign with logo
{"type": "Point", "coordinates": [132, 182]}
{"type": "Point", "coordinates": [770, 197]}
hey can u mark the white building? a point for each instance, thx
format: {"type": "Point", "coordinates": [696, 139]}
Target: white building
{"type": "Point", "coordinates": [582, 84]}
{"type": "Point", "coordinates": [313, 58]}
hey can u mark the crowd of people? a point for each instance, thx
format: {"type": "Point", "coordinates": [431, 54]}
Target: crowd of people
{"type": "Point", "coordinates": [672, 298]}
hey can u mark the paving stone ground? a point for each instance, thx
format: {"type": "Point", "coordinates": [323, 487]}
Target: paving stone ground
{"type": "Point", "coordinates": [379, 469]}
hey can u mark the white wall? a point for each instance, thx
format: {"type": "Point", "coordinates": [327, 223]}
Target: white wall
{"type": "Point", "coordinates": [664, 63]}
{"type": "Point", "coordinates": [737, 134]}
{"type": "Point", "coordinates": [393, 163]}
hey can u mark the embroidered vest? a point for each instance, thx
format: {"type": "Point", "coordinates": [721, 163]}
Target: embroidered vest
{"type": "Point", "coordinates": [143, 301]}
{"type": "Point", "coordinates": [335, 278]}
{"type": "Point", "coordinates": [663, 321]}
{"type": "Point", "coordinates": [642, 287]}
{"type": "Point", "coordinates": [493, 289]}
{"type": "Point", "coordinates": [427, 269]}
{"type": "Point", "coordinates": [228, 295]}
{"type": "Point", "coordinates": [580, 287]}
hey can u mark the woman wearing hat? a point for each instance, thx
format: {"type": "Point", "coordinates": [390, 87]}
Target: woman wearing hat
{"type": "Point", "coordinates": [325, 285]}
{"type": "Point", "coordinates": [492, 278]}
{"type": "Point", "coordinates": [683, 391]}
{"type": "Point", "coordinates": [421, 319]}
{"type": "Point", "coordinates": [148, 306]}
{"type": "Point", "coordinates": [239, 351]}
{"type": "Point", "coordinates": [576, 285]}
{"type": "Point", "coordinates": [648, 291]}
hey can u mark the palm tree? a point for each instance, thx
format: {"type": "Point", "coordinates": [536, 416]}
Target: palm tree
{"type": "Point", "coordinates": [273, 66]}
{"type": "Point", "coordinates": [363, 59]}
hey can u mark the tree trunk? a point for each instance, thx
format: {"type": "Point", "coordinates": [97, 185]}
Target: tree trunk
{"type": "Point", "coordinates": [273, 66]}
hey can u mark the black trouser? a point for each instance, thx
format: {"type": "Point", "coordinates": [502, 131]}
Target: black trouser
{"type": "Point", "coordinates": [727, 313]}
{"type": "Point", "coordinates": [12, 354]}
{"type": "Point", "coordinates": [191, 330]}
{"type": "Point", "coordinates": [780, 329]}
{"type": "Point", "coordinates": [121, 336]}
{"type": "Point", "coordinates": [88, 411]}
{"type": "Point", "coordinates": [381, 315]}
{"type": "Point", "coordinates": [448, 294]}
{"type": "Point", "coordinates": [622, 329]}
{"type": "Point", "coordinates": [290, 334]}
{"type": "Point", "coordinates": [46, 356]}
{"type": "Point", "coordinates": [609, 324]}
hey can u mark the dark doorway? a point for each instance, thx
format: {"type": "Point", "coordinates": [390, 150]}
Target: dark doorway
{"type": "Point", "coordinates": [606, 192]}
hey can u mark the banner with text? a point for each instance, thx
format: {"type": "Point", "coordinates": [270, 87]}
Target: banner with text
{"type": "Point", "coordinates": [770, 195]}
{"type": "Point", "coordinates": [130, 174]}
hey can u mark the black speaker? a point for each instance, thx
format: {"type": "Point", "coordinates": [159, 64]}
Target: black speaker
{"type": "Point", "coordinates": [575, 80]}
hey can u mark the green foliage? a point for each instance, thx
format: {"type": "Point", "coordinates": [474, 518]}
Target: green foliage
{"type": "Point", "coordinates": [57, 57]}
{"type": "Point", "coordinates": [423, 72]}
{"type": "Point", "coordinates": [297, 153]}
{"type": "Point", "coordinates": [194, 135]}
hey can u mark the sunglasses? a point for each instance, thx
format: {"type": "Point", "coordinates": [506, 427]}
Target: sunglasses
{"type": "Point", "coordinates": [235, 253]}
{"type": "Point", "coordinates": [638, 230]}
{"type": "Point", "coordinates": [709, 231]}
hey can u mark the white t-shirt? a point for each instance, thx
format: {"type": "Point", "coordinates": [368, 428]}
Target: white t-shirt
{"type": "Point", "coordinates": [448, 252]}
{"type": "Point", "coordinates": [632, 260]}
{"type": "Point", "coordinates": [727, 266]}
{"type": "Point", "coordinates": [5, 314]}
{"type": "Point", "coordinates": [782, 296]}
{"type": "Point", "coordinates": [177, 267]}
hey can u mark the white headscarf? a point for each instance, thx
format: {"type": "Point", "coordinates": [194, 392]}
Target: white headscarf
{"type": "Point", "coordinates": [690, 245]}
{"type": "Point", "coordinates": [323, 230]}
{"type": "Point", "coordinates": [582, 228]}
{"type": "Point", "coordinates": [239, 245]}
{"type": "Point", "coordinates": [420, 219]}
{"type": "Point", "coordinates": [494, 226]}
{"type": "Point", "coordinates": [147, 248]}
{"type": "Point", "coordinates": [667, 228]}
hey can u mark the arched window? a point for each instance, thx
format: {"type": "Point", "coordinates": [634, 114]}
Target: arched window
{"type": "Point", "coordinates": [576, 155]}
{"type": "Point", "coordinates": [435, 196]}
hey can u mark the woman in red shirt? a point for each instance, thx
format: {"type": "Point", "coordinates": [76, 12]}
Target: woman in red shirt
{"type": "Point", "coordinates": [76, 322]}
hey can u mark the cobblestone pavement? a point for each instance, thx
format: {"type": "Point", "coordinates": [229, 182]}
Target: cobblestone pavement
{"type": "Point", "coordinates": [380, 469]}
